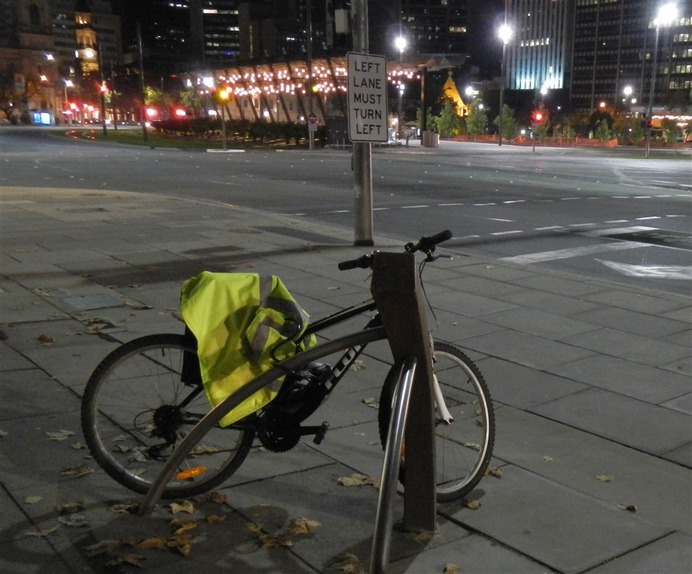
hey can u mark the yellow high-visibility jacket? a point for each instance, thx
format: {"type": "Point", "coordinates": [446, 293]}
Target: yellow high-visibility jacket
{"type": "Point", "coordinates": [243, 323]}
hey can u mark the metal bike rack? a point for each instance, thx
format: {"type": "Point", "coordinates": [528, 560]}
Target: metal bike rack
{"type": "Point", "coordinates": [397, 292]}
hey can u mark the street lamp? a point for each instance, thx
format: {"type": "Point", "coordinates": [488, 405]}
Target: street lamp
{"type": "Point", "coordinates": [666, 14]}
{"type": "Point", "coordinates": [68, 84]}
{"type": "Point", "coordinates": [400, 43]}
{"type": "Point", "coordinates": [505, 34]}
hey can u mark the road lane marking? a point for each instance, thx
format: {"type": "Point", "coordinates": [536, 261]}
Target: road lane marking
{"type": "Point", "coordinates": [651, 271]}
{"type": "Point", "coordinates": [570, 253]}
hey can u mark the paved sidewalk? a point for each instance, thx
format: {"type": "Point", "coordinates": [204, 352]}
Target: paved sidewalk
{"type": "Point", "coordinates": [591, 381]}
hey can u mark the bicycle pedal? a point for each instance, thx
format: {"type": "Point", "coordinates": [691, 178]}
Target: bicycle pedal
{"type": "Point", "coordinates": [320, 434]}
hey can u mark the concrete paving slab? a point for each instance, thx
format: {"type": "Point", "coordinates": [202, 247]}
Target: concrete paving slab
{"type": "Point", "coordinates": [658, 489]}
{"type": "Point", "coordinates": [637, 301]}
{"type": "Point", "coordinates": [634, 322]}
{"type": "Point", "coordinates": [627, 378]}
{"type": "Point", "coordinates": [11, 360]}
{"type": "Point", "coordinates": [560, 285]}
{"type": "Point", "coordinates": [671, 554]}
{"type": "Point", "coordinates": [522, 387]}
{"type": "Point", "coordinates": [540, 323]}
{"type": "Point", "coordinates": [681, 455]}
{"type": "Point", "coordinates": [471, 305]}
{"type": "Point", "coordinates": [551, 302]}
{"type": "Point", "coordinates": [526, 349]}
{"type": "Point", "coordinates": [554, 525]}
{"type": "Point", "coordinates": [20, 390]}
{"type": "Point", "coordinates": [645, 350]}
{"type": "Point", "coordinates": [646, 427]}
{"type": "Point", "coordinates": [473, 554]}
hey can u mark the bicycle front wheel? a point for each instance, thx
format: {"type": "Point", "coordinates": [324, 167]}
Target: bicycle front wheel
{"type": "Point", "coordinates": [140, 402]}
{"type": "Point", "coordinates": [464, 445]}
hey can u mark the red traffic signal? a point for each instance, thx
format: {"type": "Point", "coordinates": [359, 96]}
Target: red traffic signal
{"type": "Point", "coordinates": [538, 116]}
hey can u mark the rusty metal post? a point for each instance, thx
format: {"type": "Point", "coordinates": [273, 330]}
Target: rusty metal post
{"type": "Point", "coordinates": [396, 290]}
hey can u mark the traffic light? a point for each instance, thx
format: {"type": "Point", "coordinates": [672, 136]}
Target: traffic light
{"type": "Point", "coordinates": [538, 116]}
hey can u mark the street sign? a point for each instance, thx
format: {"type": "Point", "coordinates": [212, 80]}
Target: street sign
{"type": "Point", "coordinates": [312, 118]}
{"type": "Point", "coordinates": [367, 98]}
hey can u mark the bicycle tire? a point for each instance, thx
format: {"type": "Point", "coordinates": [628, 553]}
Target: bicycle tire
{"type": "Point", "coordinates": [140, 402]}
{"type": "Point", "coordinates": [463, 448]}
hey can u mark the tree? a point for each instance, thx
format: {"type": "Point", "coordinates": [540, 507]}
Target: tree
{"type": "Point", "coordinates": [509, 123]}
{"type": "Point", "coordinates": [603, 132]}
{"type": "Point", "coordinates": [477, 120]}
{"type": "Point", "coordinates": [429, 119]}
{"type": "Point", "coordinates": [448, 122]}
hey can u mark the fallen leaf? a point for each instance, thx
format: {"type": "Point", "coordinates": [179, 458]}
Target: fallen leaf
{"type": "Point", "coordinates": [123, 508]}
{"type": "Point", "coordinates": [185, 506]}
{"type": "Point", "coordinates": [182, 543]}
{"type": "Point", "coordinates": [473, 445]}
{"type": "Point", "coordinates": [42, 533]}
{"type": "Point", "coordinates": [215, 496]}
{"type": "Point", "coordinates": [333, 288]}
{"type": "Point", "coordinates": [422, 537]}
{"type": "Point", "coordinates": [33, 499]}
{"type": "Point", "coordinates": [157, 542]}
{"type": "Point", "coordinates": [302, 526]}
{"type": "Point", "coordinates": [103, 547]}
{"type": "Point", "coordinates": [73, 520]}
{"type": "Point", "coordinates": [628, 507]}
{"type": "Point", "coordinates": [62, 434]}
{"type": "Point", "coordinates": [368, 401]}
{"type": "Point", "coordinates": [70, 507]}
{"type": "Point", "coordinates": [357, 479]}
{"type": "Point", "coordinates": [78, 445]}
{"type": "Point", "coordinates": [46, 340]}
{"type": "Point", "coordinates": [127, 559]}
{"type": "Point", "coordinates": [254, 527]}
{"type": "Point", "coordinates": [494, 471]}
{"type": "Point", "coordinates": [605, 477]}
{"type": "Point", "coordinates": [547, 458]}
{"type": "Point", "coordinates": [215, 518]}
{"type": "Point", "coordinates": [183, 524]}
{"type": "Point", "coordinates": [472, 504]}
{"type": "Point", "coordinates": [451, 569]}
{"type": "Point", "coordinates": [454, 324]}
{"type": "Point", "coordinates": [358, 365]}
{"type": "Point", "coordinates": [203, 449]}
{"type": "Point", "coordinates": [350, 564]}
{"type": "Point", "coordinates": [3, 433]}
{"type": "Point", "coordinates": [77, 471]}
{"type": "Point", "coordinates": [277, 540]}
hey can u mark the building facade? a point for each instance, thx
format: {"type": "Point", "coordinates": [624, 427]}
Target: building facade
{"type": "Point", "coordinates": [619, 50]}
{"type": "Point", "coordinates": [538, 56]}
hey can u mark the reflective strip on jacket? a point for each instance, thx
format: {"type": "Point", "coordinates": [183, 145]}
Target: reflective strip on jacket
{"type": "Point", "coordinates": [243, 323]}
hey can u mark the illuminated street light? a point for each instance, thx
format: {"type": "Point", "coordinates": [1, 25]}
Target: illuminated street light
{"type": "Point", "coordinates": [505, 34]}
{"type": "Point", "coordinates": [666, 14]}
{"type": "Point", "coordinates": [400, 43]}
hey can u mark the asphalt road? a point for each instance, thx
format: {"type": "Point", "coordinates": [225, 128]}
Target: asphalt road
{"type": "Point", "coordinates": [607, 214]}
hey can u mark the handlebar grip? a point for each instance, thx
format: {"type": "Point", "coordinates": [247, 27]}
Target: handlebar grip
{"type": "Point", "coordinates": [362, 262]}
{"type": "Point", "coordinates": [439, 237]}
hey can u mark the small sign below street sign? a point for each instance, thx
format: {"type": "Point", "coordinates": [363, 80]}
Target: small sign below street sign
{"type": "Point", "coordinates": [367, 98]}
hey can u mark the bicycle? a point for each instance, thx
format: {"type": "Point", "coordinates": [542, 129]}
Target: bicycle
{"type": "Point", "coordinates": [146, 395]}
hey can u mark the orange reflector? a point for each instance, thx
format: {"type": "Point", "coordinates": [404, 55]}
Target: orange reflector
{"type": "Point", "coordinates": [191, 472]}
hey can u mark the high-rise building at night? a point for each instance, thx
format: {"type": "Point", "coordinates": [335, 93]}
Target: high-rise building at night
{"type": "Point", "coordinates": [538, 55]}
{"type": "Point", "coordinates": [614, 49]}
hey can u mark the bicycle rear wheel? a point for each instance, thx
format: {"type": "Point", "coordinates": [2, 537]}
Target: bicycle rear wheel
{"type": "Point", "coordinates": [138, 405]}
{"type": "Point", "coordinates": [463, 447]}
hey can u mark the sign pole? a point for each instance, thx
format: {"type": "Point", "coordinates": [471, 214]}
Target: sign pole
{"type": "Point", "coordinates": [362, 152]}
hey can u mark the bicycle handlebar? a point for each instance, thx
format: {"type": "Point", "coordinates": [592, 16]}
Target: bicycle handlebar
{"type": "Point", "coordinates": [425, 244]}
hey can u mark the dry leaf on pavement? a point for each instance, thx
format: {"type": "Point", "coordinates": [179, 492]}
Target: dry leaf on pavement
{"type": "Point", "coordinates": [277, 540]}
{"type": "Point", "coordinates": [33, 499]}
{"type": "Point", "coordinates": [185, 506]}
{"type": "Point", "coordinates": [62, 434]}
{"type": "Point", "coordinates": [628, 507]}
{"type": "Point", "coordinates": [422, 537]}
{"type": "Point", "coordinates": [302, 526]}
{"type": "Point", "coordinates": [183, 524]}
{"type": "Point", "coordinates": [77, 471]}
{"type": "Point", "coordinates": [472, 504]}
{"type": "Point", "coordinates": [127, 559]}
{"type": "Point", "coordinates": [605, 477]}
{"type": "Point", "coordinates": [357, 479]}
{"type": "Point", "coordinates": [70, 507]}
{"type": "Point", "coordinates": [494, 471]}
{"type": "Point", "coordinates": [103, 547]}
{"type": "Point", "coordinates": [43, 532]}
{"type": "Point", "coordinates": [451, 569]}
{"type": "Point", "coordinates": [73, 520]}
{"type": "Point", "coordinates": [350, 564]}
